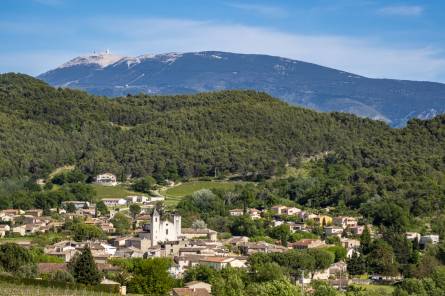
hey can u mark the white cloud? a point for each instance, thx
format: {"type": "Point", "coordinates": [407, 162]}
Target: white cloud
{"type": "Point", "coordinates": [402, 10]}
{"type": "Point", "coordinates": [264, 10]}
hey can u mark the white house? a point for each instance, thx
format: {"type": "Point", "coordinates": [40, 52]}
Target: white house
{"type": "Point", "coordinates": [431, 239]}
{"type": "Point", "coordinates": [413, 236]}
{"type": "Point", "coordinates": [77, 204]}
{"type": "Point", "coordinates": [112, 202]}
{"type": "Point", "coordinates": [291, 211]}
{"type": "Point", "coordinates": [157, 198]}
{"type": "Point", "coordinates": [137, 199]}
{"type": "Point", "coordinates": [236, 212]}
{"type": "Point", "coordinates": [333, 230]}
{"type": "Point", "coordinates": [106, 179]}
{"type": "Point", "coordinates": [164, 230]}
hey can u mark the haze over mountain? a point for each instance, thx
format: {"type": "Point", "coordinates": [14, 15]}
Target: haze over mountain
{"type": "Point", "coordinates": [296, 82]}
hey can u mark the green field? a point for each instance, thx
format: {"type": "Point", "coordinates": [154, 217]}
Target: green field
{"type": "Point", "coordinates": [119, 191]}
{"type": "Point", "coordinates": [7, 289]}
{"type": "Point", "coordinates": [382, 289]}
{"type": "Point", "coordinates": [175, 194]}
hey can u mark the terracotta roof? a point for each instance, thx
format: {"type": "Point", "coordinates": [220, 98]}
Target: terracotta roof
{"type": "Point", "coordinates": [50, 267]}
{"type": "Point", "coordinates": [216, 259]}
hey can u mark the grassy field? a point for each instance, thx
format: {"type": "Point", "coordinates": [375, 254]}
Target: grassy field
{"type": "Point", "coordinates": [7, 289]}
{"type": "Point", "coordinates": [175, 194]}
{"type": "Point", "coordinates": [119, 191]}
{"type": "Point", "coordinates": [382, 289]}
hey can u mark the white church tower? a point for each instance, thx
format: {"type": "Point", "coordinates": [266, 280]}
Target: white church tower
{"type": "Point", "coordinates": [163, 231]}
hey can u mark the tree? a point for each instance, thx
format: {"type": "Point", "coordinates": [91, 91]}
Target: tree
{"type": "Point", "coordinates": [200, 272]}
{"type": "Point", "coordinates": [382, 260]}
{"type": "Point", "coordinates": [135, 210]}
{"type": "Point", "coordinates": [322, 288]}
{"type": "Point", "coordinates": [121, 223]}
{"type": "Point", "coordinates": [281, 232]}
{"type": "Point", "coordinates": [280, 287]}
{"type": "Point", "coordinates": [150, 276]}
{"type": "Point", "coordinates": [101, 208]}
{"type": "Point", "coordinates": [199, 224]}
{"type": "Point", "coordinates": [247, 196]}
{"type": "Point", "coordinates": [82, 232]}
{"type": "Point", "coordinates": [229, 282]}
{"type": "Point", "coordinates": [356, 264]}
{"type": "Point", "coordinates": [270, 271]}
{"type": "Point", "coordinates": [143, 184]}
{"type": "Point", "coordinates": [365, 241]}
{"type": "Point", "coordinates": [13, 256]}
{"type": "Point", "coordinates": [323, 258]}
{"type": "Point", "coordinates": [84, 269]}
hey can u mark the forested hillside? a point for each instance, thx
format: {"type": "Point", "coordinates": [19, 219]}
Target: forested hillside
{"type": "Point", "coordinates": [234, 132]}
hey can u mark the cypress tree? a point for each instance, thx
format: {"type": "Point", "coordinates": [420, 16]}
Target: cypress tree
{"type": "Point", "coordinates": [84, 268]}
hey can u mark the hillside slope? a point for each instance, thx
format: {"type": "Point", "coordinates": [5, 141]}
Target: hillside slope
{"type": "Point", "coordinates": [235, 132]}
{"type": "Point", "coordinates": [297, 82]}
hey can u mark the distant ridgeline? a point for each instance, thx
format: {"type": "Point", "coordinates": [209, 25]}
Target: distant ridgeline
{"type": "Point", "coordinates": [297, 82]}
{"type": "Point", "coordinates": [234, 132]}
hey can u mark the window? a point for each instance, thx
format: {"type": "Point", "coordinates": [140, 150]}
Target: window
{"type": "Point", "coordinates": [166, 231]}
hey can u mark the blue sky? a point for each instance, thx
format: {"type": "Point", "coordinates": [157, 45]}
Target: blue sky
{"type": "Point", "coordinates": [390, 39]}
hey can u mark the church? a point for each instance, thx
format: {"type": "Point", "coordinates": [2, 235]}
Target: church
{"type": "Point", "coordinates": [161, 231]}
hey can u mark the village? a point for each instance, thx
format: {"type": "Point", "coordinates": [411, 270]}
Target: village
{"type": "Point", "coordinates": [158, 232]}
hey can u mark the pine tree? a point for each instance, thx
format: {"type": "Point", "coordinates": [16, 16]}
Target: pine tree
{"type": "Point", "coordinates": [84, 269]}
{"type": "Point", "coordinates": [356, 264]}
{"type": "Point", "coordinates": [365, 241]}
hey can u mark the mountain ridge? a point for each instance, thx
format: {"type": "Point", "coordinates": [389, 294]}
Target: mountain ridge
{"type": "Point", "coordinates": [301, 83]}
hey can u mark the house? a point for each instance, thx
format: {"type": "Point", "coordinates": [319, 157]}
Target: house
{"type": "Point", "coordinates": [237, 240]}
{"type": "Point", "coordinates": [430, 239]}
{"type": "Point", "coordinates": [307, 244]}
{"type": "Point", "coordinates": [34, 212]}
{"type": "Point", "coordinates": [356, 230]}
{"type": "Point", "coordinates": [156, 198]}
{"type": "Point", "coordinates": [113, 202]}
{"type": "Point", "coordinates": [106, 179]}
{"type": "Point", "coordinates": [20, 230]}
{"type": "Point", "coordinates": [140, 199]}
{"type": "Point", "coordinates": [219, 263]}
{"type": "Point", "coordinates": [199, 285]}
{"type": "Point", "coordinates": [344, 221]}
{"type": "Point", "coordinates": [191, 233]}
{"type": "Point", "coordinates": [236, 212]}
{"type": "Point", "coordinates": [77, 204]}
{"type": "Point", "coordinates": [4, 228]}
{"type": "Point", "coordinates": [278, 209]}
{"type": "Point", "coordinates": [323, 220]}
{"type": "Point", "coordinates": [142, 244]}
{"type": "Point", "coordinates": [291, 211]}
{"type": "Point", "coordinates": [254, 214]}
{"type": "Point", "coordinates": [349, 243]}
{"type": "Point", "coordinates": [413, 236]}
{"type": "Point", "coordinates": [250, 248]}
{"type": "Point", "coordinates": [297, 226]}
{"type": "Point", "coordinates": [190, 292]}
{"type": "Point", "coordinates": [333, 230]}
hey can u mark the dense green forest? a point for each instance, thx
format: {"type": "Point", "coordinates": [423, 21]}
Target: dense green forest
{"type": "Point", "coordinates": [246, 133]}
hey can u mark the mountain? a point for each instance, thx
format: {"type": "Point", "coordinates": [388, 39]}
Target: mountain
{"type": "Point", "coordinates": [300, 83]}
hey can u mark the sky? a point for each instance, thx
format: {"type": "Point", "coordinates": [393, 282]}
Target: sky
{"type": "Point", "coordinates": [383, 39]}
